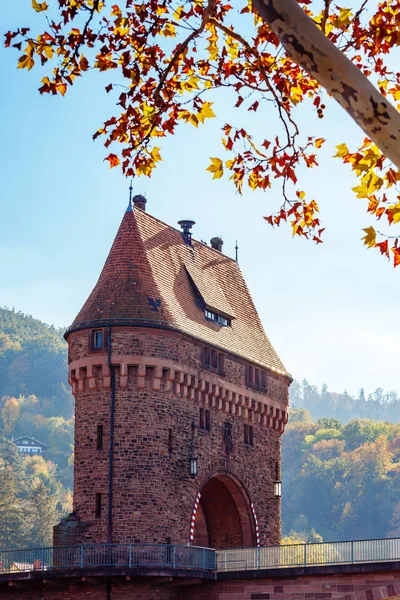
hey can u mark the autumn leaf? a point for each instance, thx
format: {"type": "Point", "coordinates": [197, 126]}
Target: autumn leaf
{"type": "Point", "coordinates": [396, 256]}
{"type": "Point", "coordinates": [39, 7]}
{"type": "Point", "coordinates": [342, 150]}
{"type": "Point", "coordinates": [26, 62]}
{"type": "Point", "coordinates": [216, 168]}
{"type": "Point", "coordinates": [370, 237]}
{"type": "Point", "coordinates": [318, 142]}
{"type": "Point", "coordinates": [113, 160]}
{"type": "Point", "coordinates": [383, 247]}
{"type": "Point", "coordinates": [206, 112]}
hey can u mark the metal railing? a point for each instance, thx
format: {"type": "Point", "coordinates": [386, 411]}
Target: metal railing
{"type": "Point", "coordinates": [107, 555]}
{"type": "Point", "coordinates": [196, 558]}
{"type": "Point", "coordinates": [307, 555]}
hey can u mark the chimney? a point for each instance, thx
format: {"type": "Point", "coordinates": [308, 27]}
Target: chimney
{"type": "Point", "coordinates": [186, 226]}
{"type": "Point", "coordinates": [216, 243]}
{"type": "Point", "coordinates": [139, 201]}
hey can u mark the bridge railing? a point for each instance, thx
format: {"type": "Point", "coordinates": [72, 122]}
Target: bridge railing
{"type": "Point", "coordinates": [306, 555]}
{"type": "Point", "coordinates": [107, 555]}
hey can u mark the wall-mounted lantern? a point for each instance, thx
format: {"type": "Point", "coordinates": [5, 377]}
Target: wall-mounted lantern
{"type": "Point", "coordinates": [277, 489]}
{"type": "Point", "coordinates": [193, 466]}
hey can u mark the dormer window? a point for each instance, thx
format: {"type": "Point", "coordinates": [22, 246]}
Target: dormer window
{"type": "Point", "coordinates": [217, 318]}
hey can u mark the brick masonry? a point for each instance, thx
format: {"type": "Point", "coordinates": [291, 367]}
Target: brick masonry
{"type": "Point", "coordinates": [351, 586]}
{"type": "Point", "coordinates": [157, 400]}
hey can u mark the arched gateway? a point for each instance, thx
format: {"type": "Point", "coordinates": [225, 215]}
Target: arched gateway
{"type": "Point", "coordinates": [224, 516]}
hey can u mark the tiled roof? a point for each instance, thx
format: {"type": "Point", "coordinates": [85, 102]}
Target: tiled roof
{"type": "Point", "coordinates": [148, 278]}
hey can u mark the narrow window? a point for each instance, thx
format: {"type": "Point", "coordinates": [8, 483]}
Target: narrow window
{"type": "Point", "coordinates": [205, 419]}
{"type": "Point", "coordinates": [99, 437]}
{"type": "Point", "coordinates": [207, 423]}
{"type": "Point", "coordinates": [98, 505]}
{"type": "Point", "coordinates": [277, 471]}
{"type": "Point", "coordinates": [170, 439]}
{"type": "Point", "coordinates": [207, 360]}
{"type": "Point", "coordinates": [251, 435]}
{"type": "Point", "coordinates": [263, 380]}
{"type": "Point", "coordinates": [257, 377]}
{"type": "Point", "coordinates": [214, 359]}
{"type": "Point", "coordinates": [202, 419]}
{"type": "Point", "coordinates": [246, 434]}
{"type": "Point", "coordinates": [97, 343]}
{"type": "Point", "coordinates": [250, 374]}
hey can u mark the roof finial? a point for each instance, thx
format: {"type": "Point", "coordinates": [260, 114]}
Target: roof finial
{"type": "Point", "coordinates": [129, 209]}
{"type": "Point", "coordinates": [130, 192]}
{"type": "Point", "coordinates": [237, 252]}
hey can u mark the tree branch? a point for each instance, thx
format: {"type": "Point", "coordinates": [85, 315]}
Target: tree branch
{"type": "Point", "coordinates": [307, 46]}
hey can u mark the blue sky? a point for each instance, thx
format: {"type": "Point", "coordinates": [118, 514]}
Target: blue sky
{"type": "Point", "coordinates": [331, 311]}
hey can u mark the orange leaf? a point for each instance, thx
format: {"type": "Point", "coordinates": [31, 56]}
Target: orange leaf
{"type": "Point", "coordinates": [113, 160]}
{"type": "Point", "coordinates": [396, 252]}
{"type": "Point", "coordinates": [383, 247]}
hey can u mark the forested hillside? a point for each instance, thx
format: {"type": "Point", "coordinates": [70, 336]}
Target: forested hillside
{"type": "Point", "coordinates": [340, 471]}
{"type": "Point", "coordinates": [35, 400]}
{"type": "Point", "coordinates": [340, 481]}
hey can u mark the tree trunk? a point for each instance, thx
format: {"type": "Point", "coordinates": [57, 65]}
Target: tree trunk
{"type": "Point", "coordinates": [307, 46]}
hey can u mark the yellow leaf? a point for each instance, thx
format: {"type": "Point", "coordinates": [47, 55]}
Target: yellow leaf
{"type": "Point", "coordinates": [394, 212]}
{"type": "Point", "coordinates": [206, 112]}
{"type": "Point", "coordinates": [342, 150]}
{"type": "Point", "coordinates": [48, 50]}
{"type": "Point", "coordinates": [39, 7]}
{"type": "Point", "coordinates": [318, 142]}
{"type": "Point", "coordinates": [361, 191]}
{"type": "Point", "coordinates": [169, 30]}
{"type": "Point", "coordinates": [370, 237]}
{"type": "Point", "coordinates": [216, 168]}
{"type": "Point", "coordinates": [26, 62]}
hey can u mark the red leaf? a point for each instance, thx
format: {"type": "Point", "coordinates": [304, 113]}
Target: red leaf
{"type": "Point", "coordinates": [113, 160]}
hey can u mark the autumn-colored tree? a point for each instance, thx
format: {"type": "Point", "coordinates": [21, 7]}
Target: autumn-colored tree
{"type": "Point", "coordinates": [10, 414]}
{"type": "Point", "coordinates": [171, 57]}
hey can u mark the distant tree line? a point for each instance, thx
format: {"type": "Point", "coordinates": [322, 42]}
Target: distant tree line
{"type": "Point", "coordinates": [380, 405]}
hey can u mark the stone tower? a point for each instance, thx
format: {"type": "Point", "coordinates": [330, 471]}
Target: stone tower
{"type": "Point", "coordinates": [181, 399]}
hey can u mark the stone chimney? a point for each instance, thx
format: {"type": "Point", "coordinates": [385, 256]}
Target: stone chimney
{"type": "Point", "coordinates": [139, 201]}
{"type": "Point", "coordinates": [216, 243]}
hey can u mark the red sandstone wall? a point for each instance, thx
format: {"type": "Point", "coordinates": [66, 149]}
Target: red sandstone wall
{"type": "Point", "coordinates": [362, 586]}
{"type": "Point", "coordinates": [86, 591]}
{"type": "Point", "coordinates": [153, 493]}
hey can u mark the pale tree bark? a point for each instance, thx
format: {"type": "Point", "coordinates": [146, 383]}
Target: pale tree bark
{"type": "Point", "coordinates": [307, 46]}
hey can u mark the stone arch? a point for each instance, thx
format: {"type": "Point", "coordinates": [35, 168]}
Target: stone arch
{"type": "Point", "coordinates": [223, 516]}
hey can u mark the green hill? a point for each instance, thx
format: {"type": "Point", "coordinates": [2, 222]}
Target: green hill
{"type": "Point", "coordinates": [35, 400]}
